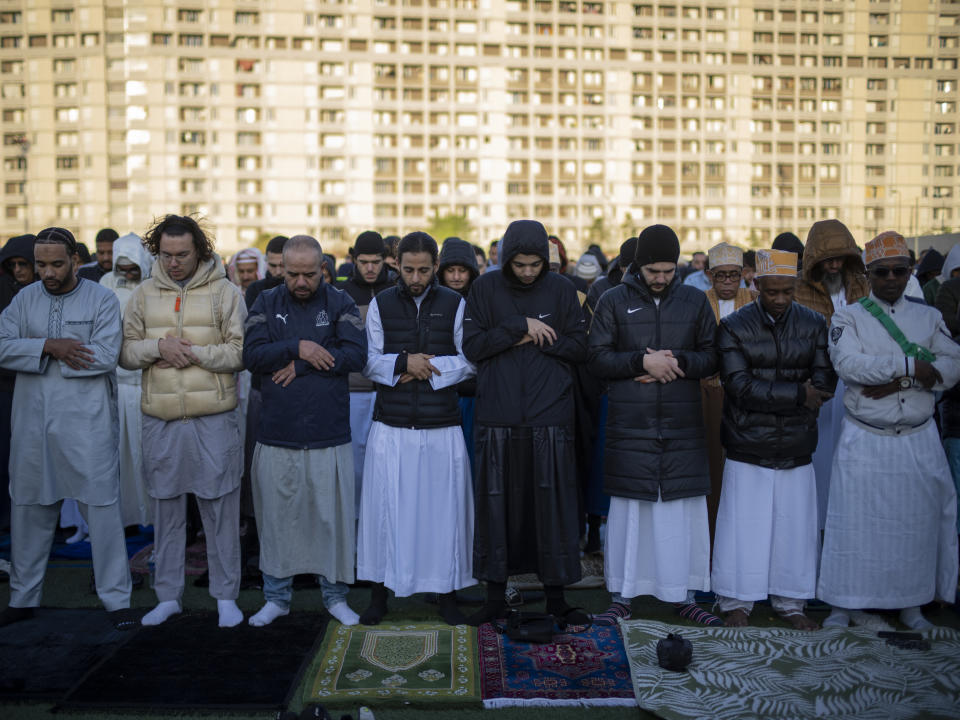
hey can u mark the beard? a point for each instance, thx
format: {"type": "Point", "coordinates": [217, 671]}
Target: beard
{"type": "Point", "coordinates": [833, 282]}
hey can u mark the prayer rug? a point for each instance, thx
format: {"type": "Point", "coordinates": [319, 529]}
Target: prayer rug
{"type": "Point", "coordinates": [773, 673]}
{"type": "Point", "coordinates": [43, 657]}
{"type": "Point", "coordinates": [588, 668]}
{"type": "Point", "coordinates": [397, 664]}
{"type": "Point", "coordinates": [189, 663]}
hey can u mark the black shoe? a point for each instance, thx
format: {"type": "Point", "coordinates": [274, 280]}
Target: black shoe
{"type": "Point", "coordinates": [12, 614]}
{"type": "Point", "coordinates": [125, 619]}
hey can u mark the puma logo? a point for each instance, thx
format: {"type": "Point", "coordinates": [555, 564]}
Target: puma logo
{"type": "Point", "coordinates": [283, 317]}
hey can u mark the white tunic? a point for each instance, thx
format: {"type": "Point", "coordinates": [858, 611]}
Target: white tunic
{"type": "Point", "coordinates": [416, 504]}
{"type": "Point", "coordinates": [767, 541]}
{"type": "Point", "coordinates": [890, 537]}
{"type": "Point", "coordinates": [657, 548]}
{"type": "Point", "coordinates": [65, 427]}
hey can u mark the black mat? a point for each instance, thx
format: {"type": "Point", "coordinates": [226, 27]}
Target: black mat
{"type": "Point", "coordinates": [191, 663]}
{"type": "Point", "coordinates": [43, 657]}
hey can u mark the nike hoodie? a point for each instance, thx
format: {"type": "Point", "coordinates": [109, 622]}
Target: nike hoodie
{"type": "Point", "coordinates": [523, 385]}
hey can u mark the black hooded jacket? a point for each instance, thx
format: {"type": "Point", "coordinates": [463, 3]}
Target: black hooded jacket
{"type": "Point", "coordinates": [362, 293]}
{"type": "Point", "coordinates": [763, 365]}
{"type": "Point", "coordinates": [655, 434]}
{"type": "Point", "coordinates": [613, 278]}
{"type": "Point", "coordinates": [523, 385]}
{"type": "Point", "coordinates": [20, 246]}
{"type": "Point", "coordinates": [458, 252]}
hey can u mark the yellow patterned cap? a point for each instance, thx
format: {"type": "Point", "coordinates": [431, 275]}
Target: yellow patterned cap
{"type": "Point", "coordinates": [724, 254]}
{"type": "Point", "coordinates": [776, 262]}
{"type": "Point", "coordinates": [889, 244]}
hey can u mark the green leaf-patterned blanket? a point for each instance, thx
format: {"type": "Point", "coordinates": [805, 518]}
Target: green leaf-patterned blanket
{"type": "Point", "coordinates": [773, 673]}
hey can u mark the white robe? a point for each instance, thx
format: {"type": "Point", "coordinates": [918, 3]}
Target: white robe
{"type": "Point", "coordinates": [891, 534]}
{"type": "Point", "coordinates": [65, 424]}
{"type": "Point", "coordinates": [657, 548]}
{"type": "Point", "coordinates": [416, 503]}
{"type": "Point", "coordinates": [135, 503]}
{"type": "Point", "coordinates": [767, 541]}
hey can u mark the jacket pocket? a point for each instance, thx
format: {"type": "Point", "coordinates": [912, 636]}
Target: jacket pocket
{"type": "Point", "coordinates": [221, 390]}
{"type": "Point", "coordinates": [145, 386]}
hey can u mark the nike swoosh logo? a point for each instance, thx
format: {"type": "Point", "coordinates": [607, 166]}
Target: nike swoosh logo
{"type": "Point", "coordinates": [543, 316]}
{"type": "Point", "coordinates": [630, 311]}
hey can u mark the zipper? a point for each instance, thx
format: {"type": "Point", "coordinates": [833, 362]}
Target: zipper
{"type": "Point", "coordinates": [656, 306]}
{"type": "Point", "coordinates": [776, 341]}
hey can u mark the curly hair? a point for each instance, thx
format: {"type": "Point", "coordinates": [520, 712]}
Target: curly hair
{"type": "Point", "coordinates": [176, 225]}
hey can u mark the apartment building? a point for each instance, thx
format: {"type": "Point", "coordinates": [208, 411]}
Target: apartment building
{"type": "Point", "coordinates": [727, 119]}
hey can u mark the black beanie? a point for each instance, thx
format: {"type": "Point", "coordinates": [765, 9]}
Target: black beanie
{"type": "Point", "coordinates": [369, 242]}
{"type": "Point", "coordinates": [627, 252]}
{"type": "Point", "coordinates": [107, 235]}
{"type": "Point", "coordinates": [789, 242]}
{"type": "Point", "coordinates": [656, 244]}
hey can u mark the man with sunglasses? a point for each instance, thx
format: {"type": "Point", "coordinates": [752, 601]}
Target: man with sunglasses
{"type": "Point", "coordinates": [890, 539]}
{"type": "Point", "coordinates": [726, 295]}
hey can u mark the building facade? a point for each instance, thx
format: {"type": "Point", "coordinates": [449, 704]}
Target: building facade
{"type": "Point", "coordinates": [729, 120]}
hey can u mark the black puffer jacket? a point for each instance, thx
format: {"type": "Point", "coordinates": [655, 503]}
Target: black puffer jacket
{"type": "Point", "coordinates": [763, 366]}
{"type": "Point", "coordinates": [655, 435]}
{"type": "Point", "coordinates": [613, 278]}
{"type": "Point", "coordinates": [523, 385]}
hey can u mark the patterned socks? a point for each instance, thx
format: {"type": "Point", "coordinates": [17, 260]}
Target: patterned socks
{"type": "Point", "coordinates": [378, 605]}
{"type": "Point", "coordinates": [613, 614]}
{"type": "Point", "coordinates": [692, 611]}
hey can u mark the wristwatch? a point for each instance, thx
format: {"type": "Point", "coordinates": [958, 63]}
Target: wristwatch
{"type": "Point", "coordinates": [906, 383]}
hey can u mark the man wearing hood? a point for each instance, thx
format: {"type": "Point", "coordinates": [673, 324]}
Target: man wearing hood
{"type": "Point", "coordinates": [183, 327]}
{"type": "Point", "coordinates": [369, 275]}
{"type": "Point", "coordinates": [302, 340]}
{"type": "Point", "coordinates": [833, 277]}
{"type": "Point", "coordinates": [62, 338]}
{"type": "Point", "coordinates": [890, 540]}
{"type": "Point", "coordinates": [457, 270]}
{"type": "Point", "coordinates": [416, 507]}
{"type": "Point", "coordinates": [524, 329]}
{"type": "Point", "coordinates": [928, 270]}
{"type": "Point", "coordinates": [16, 261]}
{"type": "Point", "coordinates": [131, 266]}
{"type": "Point", "coordinates": [947, 299]}
{"type": "Point", "coordinates": [652, 339]}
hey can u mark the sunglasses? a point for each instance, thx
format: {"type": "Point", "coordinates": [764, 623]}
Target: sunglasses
{"type": "Point", "coordinates": [897, 272]}
{"type": "Point", "coordinates": [726, 276]}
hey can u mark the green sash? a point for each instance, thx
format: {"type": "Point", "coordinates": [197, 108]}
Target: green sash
{"type": "Point", "coordinates": [910, 349]}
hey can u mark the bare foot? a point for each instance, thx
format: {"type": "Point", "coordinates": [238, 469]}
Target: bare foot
{"type": "Point", "coordinates": [799, 621]}
{"type": "Point", "coordinates": [737, 618]}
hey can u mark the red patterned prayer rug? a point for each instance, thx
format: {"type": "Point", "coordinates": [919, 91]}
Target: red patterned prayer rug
{"type": "Point", "coordinates": [588, 668]}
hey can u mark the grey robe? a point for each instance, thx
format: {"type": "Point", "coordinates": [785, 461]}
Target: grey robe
{"type": "Point", "coordinates": [65, 426]}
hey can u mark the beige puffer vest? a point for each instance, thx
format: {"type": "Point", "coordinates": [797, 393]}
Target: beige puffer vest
{"type": "Point", "coordinates": [209, 312]}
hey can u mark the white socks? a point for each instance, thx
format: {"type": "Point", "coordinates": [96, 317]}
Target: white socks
{"type": "Point", "coordinates": [342, 612]}
{"type": "Point", "coordinates": [267, 614]}
{"type": "Point", "coordinates": [914, 619]}
{"type": "Point", "coordinates": [841, 617]}
{"type": "Point", "coordinates": [230, 614]}
{"type": "Point", "coordinates": [161, 613]}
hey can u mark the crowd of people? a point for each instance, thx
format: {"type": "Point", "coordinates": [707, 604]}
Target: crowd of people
{"type": "Point", "coordinates": [777, 424]}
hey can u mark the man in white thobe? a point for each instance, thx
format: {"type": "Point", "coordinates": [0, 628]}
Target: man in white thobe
{"type": "Point", "coordinates": [890, 540]}
{"type": "Point", "coordinates": [131, 266]}
{"type": "Point", "coordinates": [776, 374]}
{"type": "Point", "coordinates": [62, 336]}
{"type": "Point", "coordinates": [301, 341]}
{"type": "Point", "coordinates": [416, 504]}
